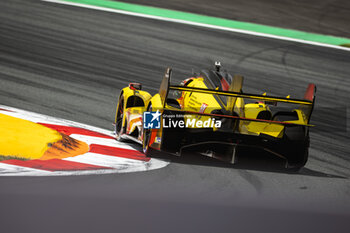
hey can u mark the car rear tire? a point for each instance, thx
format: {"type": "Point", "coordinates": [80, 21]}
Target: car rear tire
{"type": "Point", "coordinates": [295, 143]}
{"type": "Point", "coordinates": [297, 154]}
{"type": "Point", "coordinates": [146, 137]}
{"type": "Point", "coordinates": [119, 129]}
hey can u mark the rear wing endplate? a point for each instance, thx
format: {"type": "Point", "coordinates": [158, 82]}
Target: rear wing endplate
{"type": "Point", "coordinates": [164, 86]}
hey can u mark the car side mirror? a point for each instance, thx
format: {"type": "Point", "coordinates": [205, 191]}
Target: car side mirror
{"type": "Point", "coordinates": [135, 86]}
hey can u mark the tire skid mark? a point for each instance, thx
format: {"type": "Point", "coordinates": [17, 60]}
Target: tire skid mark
{"type": "Point", "coordinates": [252, 179]}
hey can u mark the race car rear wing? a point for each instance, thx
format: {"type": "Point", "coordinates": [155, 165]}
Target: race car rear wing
{"type": "Point", "coordinates": [242, 95]}
{"type": "Point", "coordinates": [235, 91]}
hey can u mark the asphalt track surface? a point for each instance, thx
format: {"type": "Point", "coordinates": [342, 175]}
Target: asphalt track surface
{"type": "Point", "coordinates": [328, 17]}
{"type": "Point", "coordinates": [71, 63]}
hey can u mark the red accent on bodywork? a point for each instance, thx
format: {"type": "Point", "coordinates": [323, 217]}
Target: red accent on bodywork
{"type": "Point", "coordinates": [224, 84]}
{"type": "Point", "coordinates": [310, 92]}
{"type": "Point", "coordinates": [54, 165]}
{"type": "Point", "coordinates": [153, 138]}
{"type": "Point", "coordinates": [68, 130]}
{"type": "Point", "coordinates": [135, 86]}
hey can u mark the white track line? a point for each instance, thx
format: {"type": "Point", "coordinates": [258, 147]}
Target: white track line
{"type": "Point", "coordinates": [14, 170]}
{"type": "Point", "coordinates": [197, 24]}
{"type": "Point", "coordinates": [105, 160]}
{"type": "Point", "coordinates": [102, 141]}
{"type": "Point", "coordinates": [122, 165]}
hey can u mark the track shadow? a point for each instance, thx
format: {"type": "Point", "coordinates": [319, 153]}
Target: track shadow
{"type": "Point", "coordinates": [247, 160]}
{"type": "Point", "coordinates": [262, 161]}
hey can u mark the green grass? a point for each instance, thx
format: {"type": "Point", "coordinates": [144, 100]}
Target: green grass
{"type": "Point", "coordinates": [7, 157]}
{"type": "Point", "coordinates": [203, 19]}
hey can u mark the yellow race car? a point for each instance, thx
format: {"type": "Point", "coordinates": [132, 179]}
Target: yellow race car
{"type": "Point", "coordinates": [209, 113]}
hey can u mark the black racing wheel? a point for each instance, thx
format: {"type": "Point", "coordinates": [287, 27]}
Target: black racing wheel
{"type": "Point", "coordinates": [146, 137]}
{"type": "Point", "coordinates": [118, 128]}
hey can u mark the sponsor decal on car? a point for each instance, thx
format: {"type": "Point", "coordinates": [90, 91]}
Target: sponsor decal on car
{"type": "Point", "coordinates": [203, 107]}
